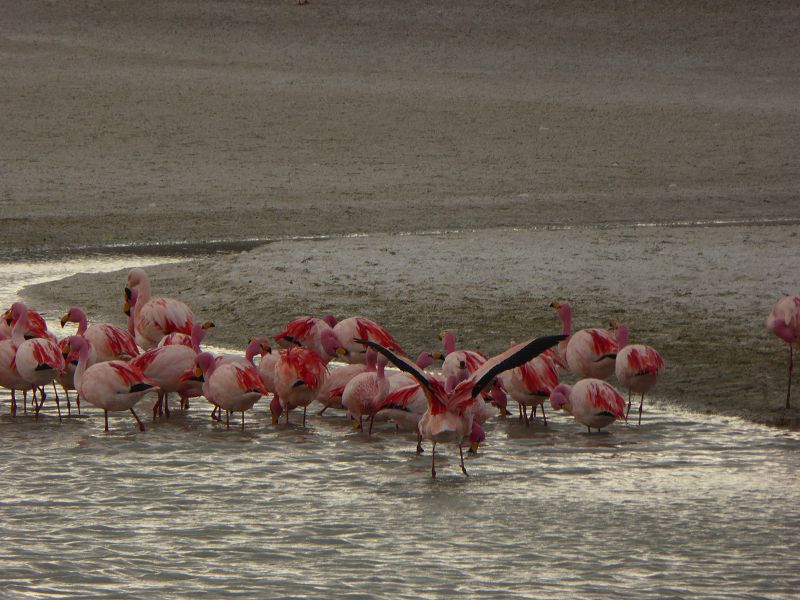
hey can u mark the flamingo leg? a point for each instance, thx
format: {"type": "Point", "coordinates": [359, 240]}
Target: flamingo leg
{"type": "Point", "coordinates": [78, 403]}
{"type": "Point", "coordinates": [463, 468]}
{"type": "Point", "coordinates": [304, 415]}
{"type": "Point", "coordinates": [69, 407]}
{"type": "Point", "coordinates": [37, 405]}
{"type": "Point", "coordinates": [13, 404]}
{"type": "Point", "coordinates": [371, 421]}
{"type": "Point", "coordinates": [791, 367]}
{"type": "Point", "coordinates": [544, 416]}
{"type": "Point", "coordinates": [138, 420]}
{"type": "Point", "coordinates": [58, 402]}
{"type": "Point", "coordinates": [166, 405]}
{"type": "Point", "coordinates": [227, 419]}
{"type": "Point", "coordinates": [105, 416]}
{"type": "Point", "coordinates": [535, 406]}
{"type": "Point", "coordinates": [242, 420]}
{"type": "Point", "coordinates": [420, 449]}
{"type": "Point", "coordinates": [641, 403]}
{"type": "Point", "coordinates": [25, 402]}
{"type": "Point", "coordinates": [433, 460]}
{"type": "Point", "coordinates": [324, 408]}
{"type": "Point", "coordinates": [628, 410]}
{"type": "Point", "coordinates": [287, 414]}
{"type": "Point", "coordinates": [525, 414]}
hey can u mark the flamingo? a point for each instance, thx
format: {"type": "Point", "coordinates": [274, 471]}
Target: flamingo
{"type": "Point", "coordinates": [157, 317]}
{"type": "Point", "coordinates": [308, 332]}
{"type": "Point", "coordinates": [784, 321]}
{"type": "Point", "coordinates": [531, 384]}
{"type": "Point", "coordinates": [108, 342]}
{"type": "Point", "coordinates": [362, 328]}
{"type": "Point", "coordinates": [37, 327]}
{"type": "Point", "coordinates": [38, 360]}
{"type": "Point", "coordinates": [299, 374]}
{"type": "Point", "coordinates": [165, 366]}
{"type": "Point", "coordinates": [176, 337]}
{"type": "Point", "coordinates": [638, 367]}
{"type": "Point", "coordinates": [588, 352]}
{"type": "Point", "coordinates": [9, 376]}
{"type": "Point", "coordinates": [111, 386]}
{"type": "Point", "coordinates": [330, 394]}
{"type": "Point", "coordinates": [447, 418]}
{"type": "Point", "coordinates": [233, 386]}
{"type": "Point", "coordinates": [364, 394]}
{"type": "Point", "coordinates": [457, 362]}
{"type": "Point", "coordinates": [67, 377]}
{"type": "Point", "coordinates": [593, 402]}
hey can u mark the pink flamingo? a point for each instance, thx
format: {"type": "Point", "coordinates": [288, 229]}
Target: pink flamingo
{"type": "Point", "coordinates": [299, 374]}
{"type": "Point", "coordinates": [588, 352]}
{"type": "Point", "coordinates": [364, 394]}
{"type": "Point", "coordinates": [638, 367]}
{"type": "Point", "coordinates": [111, 386]}
{"type": "Point", "coordinates": [531, 384]}
{"type": "Point", "coordinates": [593, 402]}
{"type": "Point", "coordinates": [457, 362]}
{"type": "Point", "coordinates": [38, 360]}
{"type": "Point", "coordinates": [67, 377]}
{"type": "Point", "coordinates": [165, 366]}
{"type": "Point", "coordinates": [233, 386]}
{"type": "Point", "coordinates": [178, 338]}
{"type": "Point", "coordinates": [330, 394]}
{"type": "Point", "coordinates": [37, 327]}
{"type": "Point", "coordinates": [309, 333]}
{"type": "Point", "coordinates": [362, 328]}
{"type": "Point", "coordinates": [784, 321]}
{"type": "Point", "coordinates": [9, 376]}
{"type": "Point", "coordinates": [157, 317]}
{"type": "Point", "coordinates": [448, 418]}
{"type": "Point", "coordinates": [107, 341]}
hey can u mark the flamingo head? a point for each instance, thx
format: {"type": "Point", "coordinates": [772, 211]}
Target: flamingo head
{"type": "Point", "coordinates": [331, 344]}
{"type": "Point", "coordinates": [259, 345]}
{"type": "Point", "coordinates": [275, 409]}
{"type": "Point", "coordinates": [448, 342]}
{"type": "Point", "coordinates": [559, 398]}
{"type": "Point", "coordinates": [17, 311]}
{"type": "Point", "coordinates": [136, 277]}
{"type": "Point", "coordinates": [204, 364]}
{"type": "Point", "coordinates": [131, 296]}
{"type": "Point", "coordinates": [476, 436]}
{"type": "Point", "coordinates": [380, 363]}
{"type": "Point", "coordinates": [424, 360]}
{"type": "Point", "coordinates": [74, 315]}
{"type": "Point", "coordinates": [622, 333]}
{"type": "Point", "coordinates": [563, 309]}
{"type": "Point", "coordinates": [330, 320]}
{"type": "Point", "coordinates": [76, 344]}
{"type": "Point", "coordinates": [499, 397]}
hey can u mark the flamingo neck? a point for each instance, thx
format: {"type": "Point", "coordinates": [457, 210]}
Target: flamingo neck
{"type": "Point", "coordinates": [253, 348]}
{"type": "Point", "coordinates": [142, 297]}
{"type": "Point", "coordinates": [83, 360]}
{"type": "Point", "coordinates": [424, 360]}
{"type": "Point", "coordinates": [198, 335]}
{"type": "Point", "coordinates": [82, 323]}
{"type": "Point", "coordinates": [19, 329]}
{"type": "Point", "coordinates": [565, 314]}
{"type": "Point", "coordinates": [449, 342]}
{"type": "Point", "coordinates": [622, 336]}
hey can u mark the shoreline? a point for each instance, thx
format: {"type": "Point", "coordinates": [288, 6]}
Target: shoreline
{"type": "Point", "coordinates": [704, 310]}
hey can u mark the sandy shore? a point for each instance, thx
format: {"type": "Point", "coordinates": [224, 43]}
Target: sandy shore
{"type": "Point", "coordinates": [204, 121]}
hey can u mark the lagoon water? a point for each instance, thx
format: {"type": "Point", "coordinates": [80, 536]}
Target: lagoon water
{"type": "Point", "coordinates": [686, 505]}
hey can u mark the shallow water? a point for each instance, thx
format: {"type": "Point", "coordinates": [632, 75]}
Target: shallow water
{"type": "Point", "coordinates": [685, 505]}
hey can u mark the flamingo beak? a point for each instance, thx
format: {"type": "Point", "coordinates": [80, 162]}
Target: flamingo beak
{"type": "Point", "coordinates": [354, 422]}
{"type": "Point", "coordinates": [65, 352]}
{"type": "Point", "coordinates": [126, 308]}
{"type": "Point", "coordinates": [437, 355]}
{"type": "Point", "coordinates": [266, 348]}
{"type": "Point", "coordinates": [504, 411]}
{"type": "Point", "coordinates": [274, 419]}
{"type": "Point", "coordinates": [64, 320]}
{"type": "Point", "coordinates": [208, 325]}
{"type": "Point", "coordinates": [473, 447]}
{"type": "Point", "coordinates": [555, 304]}
{"type": "Point", "coordinates": [342, 351]}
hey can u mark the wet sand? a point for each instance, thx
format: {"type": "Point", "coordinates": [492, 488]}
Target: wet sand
{"type": "Point", "coordinates": [193, 122]}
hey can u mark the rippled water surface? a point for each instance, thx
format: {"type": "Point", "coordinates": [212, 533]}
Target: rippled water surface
{"type": "Point", "coordinates": [685, 505]}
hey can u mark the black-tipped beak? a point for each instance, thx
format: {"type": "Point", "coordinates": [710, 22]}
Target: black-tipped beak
{"type": "Point", "coordinates": [64, 320]}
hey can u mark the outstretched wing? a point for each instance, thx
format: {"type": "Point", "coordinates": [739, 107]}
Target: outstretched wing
{"type": "Point", "coordinates": [513, 357]}
{"type": "Point", "coordinates": [434, 391]}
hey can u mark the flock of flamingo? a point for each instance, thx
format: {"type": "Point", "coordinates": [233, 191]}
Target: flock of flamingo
{"type": "Point", "coordinates": [113, 368]}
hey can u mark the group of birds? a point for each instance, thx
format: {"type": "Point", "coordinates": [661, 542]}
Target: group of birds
{"type": "Point", "coordinates": [112, 368]}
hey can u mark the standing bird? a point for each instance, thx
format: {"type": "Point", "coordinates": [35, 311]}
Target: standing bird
{"type": "Point", "coordinates": [38, 360]}
{"type": "Point", "coordinates": [37, 327]}
{"type": "Point", "coordinates": [154, 318]}
{"type": "Point", "coordinates": [362, 328]}
{"type": "Point", "coordinates": [308, 332]}
{"type": "Point", "coordinates": [449, 418]}
{"type": "Point", "coordinates": [299, 375]}
{"type": "Point", "coordinates": [364, 394]}
{"type": "Point", "coordinates": [231, 385]}
{"type": "Point", "coordinates": [460, 363]}
{"type": "Point", "coordinates": [531, 384]}
{"type": "Point", "coordinates": [593, 402]}
{"type": "Point", "coordinates": [638, 367]}
{"type": "Point", "coordinates": [588, 352]}
{"type": "Point", "coordinates": [784, 321]}
{"type": "Point", "coordinates": [111, 386]}
{"type": "Point", "coordinates": [109, 342]}
{"type": "Point", "coordinates": [9, 376]}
